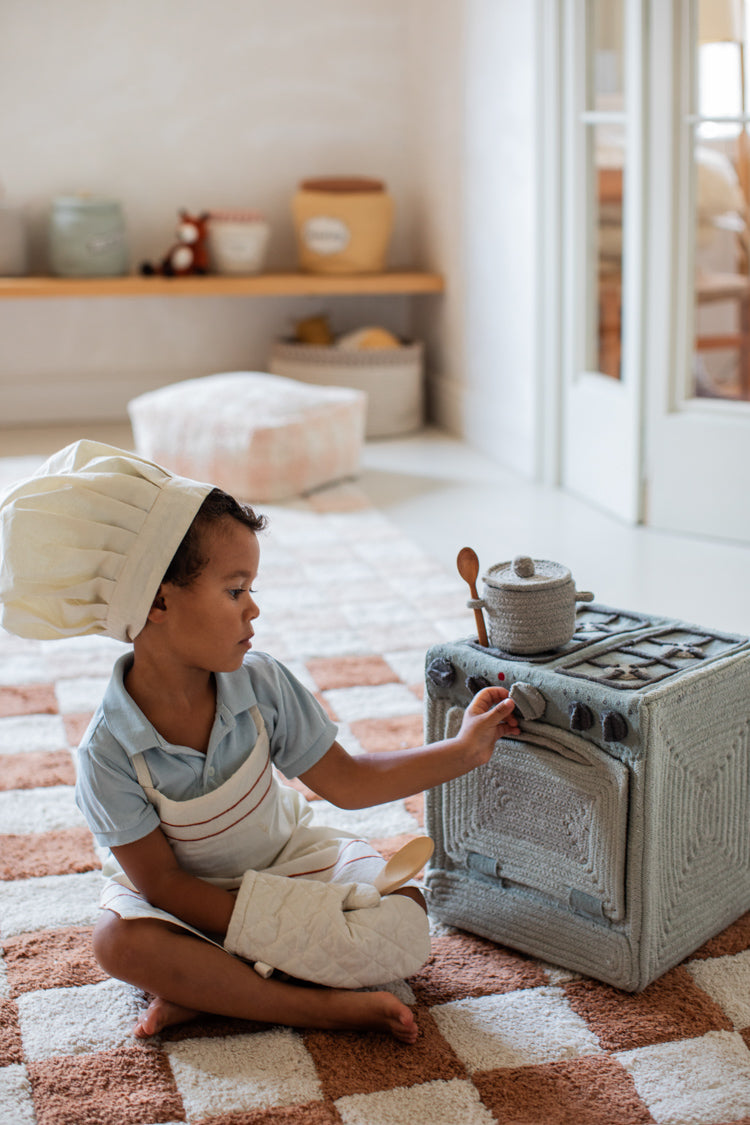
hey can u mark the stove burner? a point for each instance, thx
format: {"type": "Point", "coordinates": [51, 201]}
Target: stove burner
{"type": "Point", "coordinates": [645, 660]}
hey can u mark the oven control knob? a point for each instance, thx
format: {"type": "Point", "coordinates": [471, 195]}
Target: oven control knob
{"type": "Point", "coordinates": [580, 716]}
{"type": "Point", "coordinates": [614, 726]}
{"type": "Point", "coordinates": [528, 699]}
{"type": "Point", "coordinates": [476, 683]}
{"type": "Point", "coordinates": [441, 672]}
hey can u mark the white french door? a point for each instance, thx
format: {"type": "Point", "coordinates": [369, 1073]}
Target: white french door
{"type": "Point", "coordinates": [698, 405]}
{"type": "Point", "coordinates": [602, 260]}
{"type": "Point", "coordinates": [655, 388]}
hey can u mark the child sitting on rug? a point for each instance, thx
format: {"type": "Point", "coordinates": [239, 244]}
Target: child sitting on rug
{"type": "Point", "coordinates": [211, 862]}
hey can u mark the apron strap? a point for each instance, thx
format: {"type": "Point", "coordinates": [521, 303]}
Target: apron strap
{"type": "Point", "coordinates": [143, 773]}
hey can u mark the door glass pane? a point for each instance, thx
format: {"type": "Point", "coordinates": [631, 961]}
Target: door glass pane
{"type": "Point", "coordinates": [721, 178]}
{"type": "Point", "coordinates": [606, 239]}
{"type": "Point", "coordinates": [606, 34]}
{"type": "Point", "coordinates": [605, 101]}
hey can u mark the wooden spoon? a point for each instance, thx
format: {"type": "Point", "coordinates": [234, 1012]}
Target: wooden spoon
{"type": "Point", "coordinates": [468, 567]}
{"type": "Point", "coordinates": [406, 862]}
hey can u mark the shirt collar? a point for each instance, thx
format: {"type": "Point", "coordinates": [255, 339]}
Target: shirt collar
{"type": "Point", "coordinates": [234, 694]}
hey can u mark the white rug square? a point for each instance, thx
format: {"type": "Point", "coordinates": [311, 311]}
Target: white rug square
{"type": "Point", "coordinates": [81, 693]}
{"type": "Point", "coordinates": [16, 1105]}
{"type": "Point", "coordinates": [81, 656]}
{"type": "Point", "coordinates": [727, 981]}
{"type": "Point", "coordinates": [76, 1021]}
{"type": "Point", "coordinates": [384, 700]}
{"type": "Point", "coordinates": [432, 1103]}
{"type": "Point", "coordinates": [375, 612]}
{"type": "Point", "coordinates": [31, 732]}
{"type": "Point", "coordinates": [408, 665]}
{"type": "Point", "coordinates": [243, 1072]}
{"type": "Point", "coordinates": [306, 643]}
{"type": "Point", "coordinates": [382, 820]}
{"type": "Point", "coordinates": [397, 635]}
{"type": "Point", "coordinates": [49, 902]}
{"type": "Point", "coordinates": [521, 1028]}
{"type": "Point", "coordinates": [704, 1081]}
{"type": "Point", "coordinates": [45, 809]}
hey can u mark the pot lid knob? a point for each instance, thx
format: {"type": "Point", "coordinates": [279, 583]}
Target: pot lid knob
{"type": "Point", "coordinates": [523, 566]}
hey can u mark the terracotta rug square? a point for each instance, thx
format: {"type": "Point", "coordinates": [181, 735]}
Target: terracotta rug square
{"type": "Point", "coordinates": [37, 768]}
{"type": "Point", "coordinates": [673, 1007]}
{"type": "Point", "coordinates": [130, 1085]}
{"type": "Point", "coordinates": [28, 699]}
{"type": "Point", "coordinates": [360, 1063]}
{"type": "Point", "coordinates": [587, 1091]}
{"type": "Point", "coordinates": [733, 939]}
{"type": "Point", "coordinates": [11, 1045]}
{"type": "Point", "coordinates": [51, 959]}
{"type": "Point", "coordinates": [355, 671]}
{"type": "Point", "coordinates": [47, 853]}
{"type": "Point", "coordinates": [377, 735]}
{"type": "Point", "coordinates": [462, 965]}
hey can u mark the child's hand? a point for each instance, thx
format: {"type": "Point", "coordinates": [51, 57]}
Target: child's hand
{"type": "Point", "coordinates": [489, 716]}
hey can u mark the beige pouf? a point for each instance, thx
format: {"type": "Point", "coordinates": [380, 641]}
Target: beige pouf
{"type": "Point", "coordinates": [259, 437]}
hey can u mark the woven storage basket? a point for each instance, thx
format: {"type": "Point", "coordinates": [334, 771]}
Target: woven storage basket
{"type": "Point", "coordinates": [391, 378]}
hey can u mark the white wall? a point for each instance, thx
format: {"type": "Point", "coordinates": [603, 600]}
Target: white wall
{"type": "Point", "coordinates": [478, 218]}
{"type": "Point", "coordinates": [220, 103]}
{"type": "Point", "coordinates": [197, 103]}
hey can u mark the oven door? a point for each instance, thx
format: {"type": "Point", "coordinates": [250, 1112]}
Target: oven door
{"type": "Point", "coordinates": [548, 812]}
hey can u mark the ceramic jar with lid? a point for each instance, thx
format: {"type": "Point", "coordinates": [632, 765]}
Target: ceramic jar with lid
{"type": "Point", "coordinates": [87, 237]}
{"type": "Point", "coordinates": [343, 225]}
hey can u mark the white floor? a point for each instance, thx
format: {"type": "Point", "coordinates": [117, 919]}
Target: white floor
{"type": "Point", "coordinates": [444, 496]}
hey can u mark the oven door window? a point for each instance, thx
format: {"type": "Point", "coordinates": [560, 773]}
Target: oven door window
{"type": "Point", "coordinates": [549, 813]}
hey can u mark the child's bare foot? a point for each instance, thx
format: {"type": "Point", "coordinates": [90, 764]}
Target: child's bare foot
{"type": "Point", "coordinates": [373, 1011]}
{"type": "Point", "coordinates": [160, 1014]}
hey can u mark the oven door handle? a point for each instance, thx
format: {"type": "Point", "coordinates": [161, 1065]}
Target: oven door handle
{"type": "Point", "coordinates": [556, 741]}
{"type": "Point", "coordinates": [534, 733]}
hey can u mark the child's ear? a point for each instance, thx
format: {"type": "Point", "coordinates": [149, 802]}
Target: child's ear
{"type": "Point", "coordinates": [158, 606]}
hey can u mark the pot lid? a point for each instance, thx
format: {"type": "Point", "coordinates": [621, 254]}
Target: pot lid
{"type": "Point", "coordinates": [523, 572]}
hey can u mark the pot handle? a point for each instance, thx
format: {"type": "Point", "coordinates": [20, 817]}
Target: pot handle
{"type": "Point", "coordinates": [584, 596]}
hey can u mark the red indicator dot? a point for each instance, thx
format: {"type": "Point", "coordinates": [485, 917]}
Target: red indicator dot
{"type": "Point", "coordinates": [501, 675]}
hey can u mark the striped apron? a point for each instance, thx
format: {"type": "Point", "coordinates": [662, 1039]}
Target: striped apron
{"type": "Point", "coordinates": [250, 822]}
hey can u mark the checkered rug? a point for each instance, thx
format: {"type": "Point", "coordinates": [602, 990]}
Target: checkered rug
{"type": "Point", "coordinates": [350, 606]}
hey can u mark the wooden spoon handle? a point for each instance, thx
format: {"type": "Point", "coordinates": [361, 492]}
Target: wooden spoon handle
{"type": "Point", "coordinates": [468, 567]}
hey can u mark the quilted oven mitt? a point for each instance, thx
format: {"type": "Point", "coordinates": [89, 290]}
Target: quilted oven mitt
{"type": "Point", "coordinates": [339, 934]}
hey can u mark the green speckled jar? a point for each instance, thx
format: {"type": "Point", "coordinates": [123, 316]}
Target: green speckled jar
{"type": "Point", "coordinates": [87, 237]}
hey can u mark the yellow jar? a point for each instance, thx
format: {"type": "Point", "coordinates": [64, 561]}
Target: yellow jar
{"type": "Point", "coordinates": [343, 225]}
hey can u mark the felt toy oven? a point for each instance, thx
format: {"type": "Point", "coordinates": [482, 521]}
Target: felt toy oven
{"type": "Point", "coordinates": [610, 837]}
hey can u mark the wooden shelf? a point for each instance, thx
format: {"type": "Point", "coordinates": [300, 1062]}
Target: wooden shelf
{"type": "Point", "coordinates": [291, 284]}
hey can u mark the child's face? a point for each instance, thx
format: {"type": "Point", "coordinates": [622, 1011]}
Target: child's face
{"type": "Point", "coordinates": [209, 622]}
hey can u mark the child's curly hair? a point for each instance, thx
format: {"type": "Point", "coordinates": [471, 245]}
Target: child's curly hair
{"type": "Point", "coordinates": [190, 558]}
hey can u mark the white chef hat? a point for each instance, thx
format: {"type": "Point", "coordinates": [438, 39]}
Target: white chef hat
{"type": "Point", "coordinates": [85, 542]}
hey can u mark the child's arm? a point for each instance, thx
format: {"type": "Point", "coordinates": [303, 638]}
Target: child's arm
{"type": "Point", "coordinates": [151, 866]}
{"type": "Point", "coordinates": [372, 779]}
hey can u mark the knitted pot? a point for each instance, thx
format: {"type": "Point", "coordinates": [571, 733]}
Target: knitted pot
{"type": "Point", "coordinates": [530, 604]}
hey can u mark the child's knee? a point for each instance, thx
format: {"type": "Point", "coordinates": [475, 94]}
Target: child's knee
{"type": "Point", "coordinates": [108, 941]}
{"type": "Point", "coordinates": [119, 944]}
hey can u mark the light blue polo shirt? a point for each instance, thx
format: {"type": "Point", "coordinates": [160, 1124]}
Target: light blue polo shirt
{"type": "Point", "coordinates": [107, 790]}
